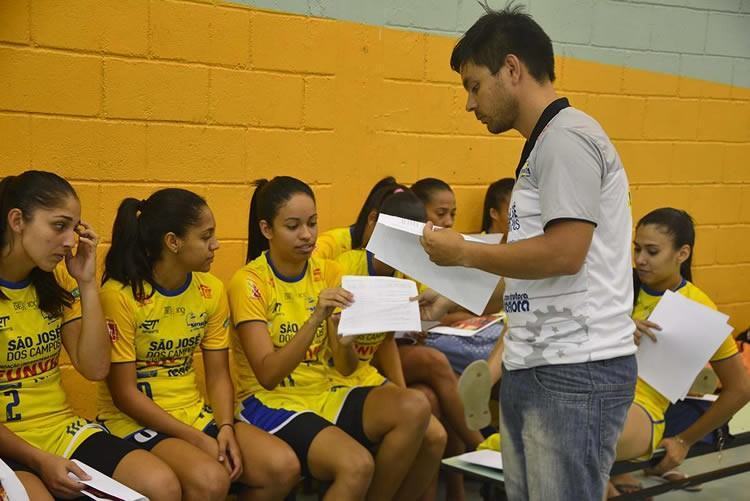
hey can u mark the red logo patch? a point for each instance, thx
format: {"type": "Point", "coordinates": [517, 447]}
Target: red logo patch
{"type": "Point", "coordinates": [114, 333]}
{"type": "Point", "coordinates": [254, 291]}
{"type": "Point", "coordinates": [205, 291]}
{"type": "Point", "coordinates": [317, 276]}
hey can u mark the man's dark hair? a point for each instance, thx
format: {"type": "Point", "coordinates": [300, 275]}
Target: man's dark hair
{"type": "Point", "coordinates": [501, 32]}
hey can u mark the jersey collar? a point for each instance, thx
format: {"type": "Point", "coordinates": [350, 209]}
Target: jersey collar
{"type": "Point", "coordinates": [284, 278]}
{"type": "Point", "coordinates": [175, 292]}
{"type": "Point", "coordinates": [652, 292]}
{"type": "Point", "coordinates": [546, 117]}
{"type": "Point", "coordinates": [15, 285]}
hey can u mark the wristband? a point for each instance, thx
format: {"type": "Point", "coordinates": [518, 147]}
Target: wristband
{"type": "Point", "coordinates": [231, 425]}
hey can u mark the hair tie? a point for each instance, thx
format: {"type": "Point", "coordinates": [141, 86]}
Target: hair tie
{"type": "Point", "coordinates": [139, 207]}
{"type": "Point", "coordinates": [398, 190]}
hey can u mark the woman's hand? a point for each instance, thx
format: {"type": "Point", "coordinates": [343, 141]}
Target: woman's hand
{"type": "Point", "coordinates": [229, 452]}
{"type": "Point", "coordinates": [675, 452]}
{"type": "Point", "coordinates": [54, 470]}
{"type": "Point", "coordinates": [329, 300]}
{"type": "Point", "coordinates": [82, 265]}
{"type": "Point", "coordinates": [643, 328]}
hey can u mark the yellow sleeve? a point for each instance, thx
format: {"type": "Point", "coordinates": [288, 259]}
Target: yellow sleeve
{"type": "Point", "coordinates": [248, 297]}
{"type": "Point", "coordinates": [333, 274]}
{"type": "Point", "coordinates": [72, 312]}
{"type": "Point", "coordinates": [217, 331]}
{"type": "Point", "coordinates": [325, 246]}
{"type": "Point", "coordinates": [118, 316]}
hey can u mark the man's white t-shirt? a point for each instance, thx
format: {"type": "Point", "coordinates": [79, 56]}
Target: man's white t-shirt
{"type": "Point", "coordinates": [572, 172]}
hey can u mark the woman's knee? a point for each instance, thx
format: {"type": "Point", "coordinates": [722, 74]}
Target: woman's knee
{"type": "Point", "coordinates": [435, 438]}
{"type": "Point", "coordinates": [209, 481]}
{"type": "Point", "coordinates": [413, 407]}
{"type": "Point", "coordinates": [34, 486]}
{"type": "Point", "coordinates": [282, 469]}
{"type": "Point", "coordinates": [160, 483]}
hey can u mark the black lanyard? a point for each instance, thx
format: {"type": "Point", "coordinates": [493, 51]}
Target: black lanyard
{"type": "Point", "coordinates": [548, 114]}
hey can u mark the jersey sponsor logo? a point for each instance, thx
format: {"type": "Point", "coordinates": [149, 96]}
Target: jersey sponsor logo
{"type": "Point", "coordinates": [149, 326]}
{"type": "Point", "coordinates": [513, 220]}
{"type": "Point", "coordinates": [205, 291]}
{"type": "Point", "coordinates": [194, 321]}
{"type": "Point", "coordinates": [365, 351]}
{"type": "Point", "coordinates": [525, 170]}
{"type": "Point", "coordinates": [317, 275]}
{"type": "Point", "coordinates": [516, 302]}
{"type": "Point", "coordinates": [76, 293]}
{"type": "Point", "coordinates": [276, 308]}
{"type": "Point", "coordinates": [4, 321]}
{"type": "Point", "coordinates": [26, 347]}
{"type": "Point", "coordinates": [19, 305]}
{"type": "Point", "coordinates": [29, 370]}
{"type": "Point", "coordinates": [112, 330]}
{"type": "Point", "coordinates": [254, 291]}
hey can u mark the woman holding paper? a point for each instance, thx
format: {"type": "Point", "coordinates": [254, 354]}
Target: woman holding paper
{"type": "Point", "coordinates": [49, 299]}
{"type": "Point", "coordinates": [161, 304]}
{"type": "Point", "coordinates": [281, 304]}
{"type": "Point", "coordinates": [664, 244]}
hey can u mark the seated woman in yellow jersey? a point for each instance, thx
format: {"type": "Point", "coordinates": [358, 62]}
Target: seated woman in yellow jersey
{"type": "Point", "coordinates": [664, 245]}
{"type": "Point", "coordinates": [332, 243]}
{"type": "Point", "coordinates": [281, 303]}
{"type": "Point", "coordinates": [161, 304]}
{"type": "Point", "coordinates": [47, 304]}
{"type": "Point", "coordinates": [380, 349]}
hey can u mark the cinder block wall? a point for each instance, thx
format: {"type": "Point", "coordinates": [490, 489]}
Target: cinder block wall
{"type": "Point", "coordinates": [126, 96]}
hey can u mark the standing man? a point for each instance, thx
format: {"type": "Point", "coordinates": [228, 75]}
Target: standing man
{"type": "Point", "coordinates": [569, 368]}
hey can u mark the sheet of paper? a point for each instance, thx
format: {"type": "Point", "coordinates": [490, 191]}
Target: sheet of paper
{"type": "Point", "coordinates": [484, 457]}
{"type": "Point", "coordinates": [10, 483]}
{"type": "Point", "coordinates": [691, 333]}
{"type": "Point", "coordinates": [381, 304]}
{"type": "Point", "coordinates": [395, 241]}
{"type": "Point", "coordinates": [486, 238]}
{"type": "Point", "coordinates": [106, 488]}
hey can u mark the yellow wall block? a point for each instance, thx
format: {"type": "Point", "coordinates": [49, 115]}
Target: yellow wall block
{"type": "Point", "coordinates": [648, 83]}
{"type": "Point", "coordinates": [437, 60]}
{"type": "Point", "coordinates": [200, 33]}
{"type": "Point", "coordinates": [89, 193]}
{"type": "Point", "coordinates": [724, 121]}
{"type": "Point", "coordinates": [586, 76]}
{"type": "Point", "coordinates": [14, 21]}
{"type": "Point", "coordinates": [155, 90]}
{"type": "Point", "coordinates": [724, 284]}
{"type": "Point", "coordinates": [230, 205]}
{"type": "Point", "coordinates": [33, 80]}
{"type": "Point", "coordinates": [403, 54]}
{"type": "Point", "coordinates": [621, 116]}
{"type": "Point", "coordinates": [321, 101]}
{"type": "Point", "coordinates": [81, 149]}
{"type": "Point", "coordinates": [195, 154]}
{"type": "Point", "coordinates": [691, 87]}
{"type": "Point", "coordinates": [412, 107]}
{"type": "Point", "coordinates": [256, 98]}
{"type": "Point", "coordinates": [735, 243]}
{"type": "Point", "coordinates": [15, 154]}
{"type": "Point", "coordinates": [670, 118]}
{"type": "Point", "coordinates": [114, 26]}
{"type": "Point", "coordinates": [706, 242]}
{"type": "Point", "coordinates": [306, 155]}
{"type": "Point", "coordinates": [647, 198]}
{"type": "Point", "coordinates": [698, 162]}
{"type": "Point", "coordinates": [647, 162]}
{"type": "Point", "coordinates": [715, 204]}
{"type": "Point", "coordinates": [736, 163]}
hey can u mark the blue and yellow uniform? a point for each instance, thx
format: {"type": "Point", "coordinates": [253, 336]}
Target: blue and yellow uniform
{"type": "Point", "coordinates": [333, 243]}
{"type": "Point", "coordinates": [160, 335]}
{"type": "Point", "coordinates": [654, 403]}
{"type": "Point", "coordinates": [34, 401]}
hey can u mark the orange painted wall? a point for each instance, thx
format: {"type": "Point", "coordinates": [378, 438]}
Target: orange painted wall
{"type": "Point", "coordinates": [126, 96]}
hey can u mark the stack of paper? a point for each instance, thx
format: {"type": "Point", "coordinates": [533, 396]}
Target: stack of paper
{"type": "Point", "coordinates": [101, 487]}
{"type": "Point", "coordinates": [488, 238]}
{"type": "Point", "coordinates": [690, 334]}
{"type": "Point", "coordinates": [469, 326]}
{"type": "Point", "coordinates": [484, 457]}
{"type": "Point", "coordinates": [395, 242]}
{"type": "Point", "coordinates": [381, 304]}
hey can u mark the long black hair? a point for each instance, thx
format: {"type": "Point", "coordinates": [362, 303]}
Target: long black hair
{"type": "Point", "coordinates": [373, 203]}
{"type": "Point", "coordinates": [497, 192]}
{"type": "Point", "coordinates": [268, 197]}
{"type": "Point", "coordinates": [138, 234]}
{"type": "Point", "coordinates": [28, 192]}
{"type": "Point", "coordinates": [425, 188]}
{"type": "Point", "coordinates": [677, 224]}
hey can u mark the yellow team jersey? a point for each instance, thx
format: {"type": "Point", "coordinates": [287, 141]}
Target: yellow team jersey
{"type": "Point", "coordinates": [160, 335]}
{"type": "Point", "coordinates": [647, 397]}
{"type": "Point", "coordinates": [333, 243]}
{"type": "Point", "coordinates": [34, 404]}
{"type": "Point", "coordinates": [257, 292]}
{"type": "Point", "coordinates": [359, 262]}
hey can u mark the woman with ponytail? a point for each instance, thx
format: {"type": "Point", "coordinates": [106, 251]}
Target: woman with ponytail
{"type": "Point", "coordinates": [663, 252]}
{"type": "Point", "coordinates": [49, 299]}
{"type": "Point", "coordinates": [282, 301]}
{"type": "Point", "coordinates": [161, 304]}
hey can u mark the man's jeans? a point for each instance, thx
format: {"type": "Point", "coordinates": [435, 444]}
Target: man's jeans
{"type": "Point", "coordinates": [560, 425]}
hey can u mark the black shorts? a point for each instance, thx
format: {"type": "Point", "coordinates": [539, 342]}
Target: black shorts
{"type": "Point", "coordinates": [102, 451]}
{"type": "Point", "coordinates": [299, 433]}
{"type": "Point", "coordinates": [147, 439]}
{"type": "Point", "coordinates": [351, 415]}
